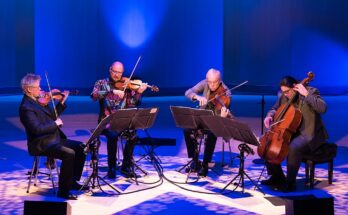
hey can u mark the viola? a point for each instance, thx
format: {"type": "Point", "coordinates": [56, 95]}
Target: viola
{"type": "Point", "coordinates": [57, 95]}
{"type": "Point", "coordinates": [126, 83]}
{"type": "Point", "coordinates": [274, 145]}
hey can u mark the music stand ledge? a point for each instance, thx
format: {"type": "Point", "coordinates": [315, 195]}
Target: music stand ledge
{"type": "Point", "coordinates": [232, 129]}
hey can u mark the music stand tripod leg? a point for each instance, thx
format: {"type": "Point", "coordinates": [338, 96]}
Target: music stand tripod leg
{"type": "Point", "coordinates": [94, 177]}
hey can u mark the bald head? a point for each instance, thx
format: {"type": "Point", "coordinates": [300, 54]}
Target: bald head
{"type": "Point", "coordinates": [116, 70]}
{"type": "Point", "coordinates": [213, 78]}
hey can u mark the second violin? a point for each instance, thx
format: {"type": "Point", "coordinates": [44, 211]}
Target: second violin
{"type": "Point", "coordinates": [126, 83]}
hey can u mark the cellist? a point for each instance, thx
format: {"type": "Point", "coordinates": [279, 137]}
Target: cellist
{"type": "Point", "coordinates": [201, 93]}
{"type": "Point", "coordinates": [111, 99]}
{"type": "Point", "coordinates": [310, 134]}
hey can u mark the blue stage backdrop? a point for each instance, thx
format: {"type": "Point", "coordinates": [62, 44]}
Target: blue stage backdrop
{"type": "Point", "coordinates": [265, 40]}
{"type": "Point", "coordinates": [75, 41]}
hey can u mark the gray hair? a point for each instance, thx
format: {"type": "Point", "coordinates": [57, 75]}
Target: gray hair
{"type": "Point", "coordinates": [29, 80]}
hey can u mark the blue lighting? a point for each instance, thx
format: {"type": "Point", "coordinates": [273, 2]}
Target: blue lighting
{"type": "Point", "coordinates": [325, 56]}
{"type": "Point", "coordinates": [133, 22]}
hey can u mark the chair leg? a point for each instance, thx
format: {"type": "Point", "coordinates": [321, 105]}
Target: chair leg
{"type": "Point", "coordinates": [306, 172]}
{"type": "Point", "coordinates": [311, 174]}
{"type": "Point", "coordinates": [223, 154]}
{"type": "Point", "coordinates": [330, 170]}
{"type": "Point", "coordinates": [230, 151]}
{"type": "Point", "coordinates": [32, 172]}
{"type": "Point", "coordinates": [38, 159]}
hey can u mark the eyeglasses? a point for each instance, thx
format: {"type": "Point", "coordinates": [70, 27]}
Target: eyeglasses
{"type": "Point", "coordinates": [36, 87]}
{"type": "Point", "coordinates": [115, 72]}
{"type": "Point", "coordinates": [286, 91]}
{"type": "Point", "coordinates": [213, 82]}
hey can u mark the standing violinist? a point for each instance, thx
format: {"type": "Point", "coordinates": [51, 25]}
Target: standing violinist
{"type": "Point", "coordinates": [112, 98]}
{"type": "Point", "coordinates": [201, 93]}
{"type": "Point", "coordinates": [310, 135]}
{"type": "Point", "coordinates": [46, 138]}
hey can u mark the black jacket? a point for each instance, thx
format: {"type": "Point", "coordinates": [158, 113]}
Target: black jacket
{"type": "Point", "coordinates": [39, 125]}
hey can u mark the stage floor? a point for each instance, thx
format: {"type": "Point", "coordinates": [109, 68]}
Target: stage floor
{"type": "Point", "coordinates": [158, 195]}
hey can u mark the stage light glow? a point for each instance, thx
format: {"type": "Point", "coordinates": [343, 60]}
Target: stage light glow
{"type": "Point", "coordinates": [133, 22]}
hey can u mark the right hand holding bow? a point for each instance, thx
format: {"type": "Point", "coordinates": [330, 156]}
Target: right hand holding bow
{"type": "Point", "coordinates": [267, 121]}
{"type": "Point", "coordinates": [119, 93]}
{"type": "Point", "coordinates": [202, 100]}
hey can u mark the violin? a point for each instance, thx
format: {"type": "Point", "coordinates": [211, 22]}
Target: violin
{"type": "Point", "coordinates": [57, 95]}
{"type": "Point", "coordinates": [218, 99]}
{"type": "Point", "coordinates": [126, 83]}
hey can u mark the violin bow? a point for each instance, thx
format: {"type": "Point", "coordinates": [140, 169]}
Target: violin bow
{"type": "Point", "coordinates": [123, 104]}
{"type": "Point", "coordinates": [51, 96]}
{"type": "Point", "coordinates": [229, 90]}
{"type": "Point", "coordinates": [131, 75]}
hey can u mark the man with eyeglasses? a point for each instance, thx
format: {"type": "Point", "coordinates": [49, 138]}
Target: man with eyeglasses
{"type": "Point", "coordinates": [200, 92]}
{"type": "Point", "coordinates": [310, 135]}
{"type": "Point", "coordinates": [111, 99]}
{"type": "Point", "coordinates": [45, 138]}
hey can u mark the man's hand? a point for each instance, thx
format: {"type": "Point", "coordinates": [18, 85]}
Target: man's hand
{"type": "Point", "coordinates": [66, 95]}
{"type": "Point", "coordinates": [301, 89]}
{"type": "Point", "coordinates": [202, 100]}
{"type": "Point", "coordinates": [142, 88]}
{"type": "Point", "coordinates": [120, 93]}
{"type": "Point", "coordinates": [224, 112]}
{"type": "Point", "coordinates": [59, 122]}
{"type": "Point", "coordinates": [267, 121]}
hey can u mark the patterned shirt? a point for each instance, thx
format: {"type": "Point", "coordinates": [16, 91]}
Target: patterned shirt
{"type": "Point", "coordinates": [108, 101]}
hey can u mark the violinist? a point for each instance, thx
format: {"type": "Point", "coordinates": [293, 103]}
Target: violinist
{"type": "Point", "coordinates": [45, 137]}
{"type": "Point", "coordinates": [202, 92]}
{"type": "Point", "coordinates": [310, 134]}
{"type": "Point", "coordinates": [111, 97]}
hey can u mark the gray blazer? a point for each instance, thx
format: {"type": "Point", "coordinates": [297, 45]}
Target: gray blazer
{"type": "Point", "coordinates": [312, 106]}
{"type": "Point", "coordinates": [203, 88]}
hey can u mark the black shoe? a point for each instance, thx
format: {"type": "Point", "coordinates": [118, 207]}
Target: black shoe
{"type": "Point", "coordinates": [289, 187]}
{"type": "Point", "coordinates": [274, 181]}
{"type": "Point", "coordinates": [128, 173]}
{"type": "Point", "coordinates": [204, 171]}
{"type": "Point", "coordinates": [66, 195]}
{"type": "Point", "coordinates": [77, 186]}
{"type": "Point", "coordinates": [111, 173]}
{"type": "Point", "coordinates": [193, 167]}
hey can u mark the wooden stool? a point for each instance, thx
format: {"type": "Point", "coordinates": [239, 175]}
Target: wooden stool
{"type": "Point", "coordinates": [324, 154]}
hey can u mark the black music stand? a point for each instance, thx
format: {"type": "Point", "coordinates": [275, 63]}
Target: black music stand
{"type": "Point", "coordinates": [227, 129]}
{"type": "Point", "coordinates": [190, 118]}
{"type": "Point", "coordinates": [126, 121]}
{"type": "Point", "coordinates": [144, 119]}
{"type": "Point", "coordinates": [92, 145]}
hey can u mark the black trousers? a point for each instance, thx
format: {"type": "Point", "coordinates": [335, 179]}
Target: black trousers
{"type": "Point", "coordinates": [112, 137]}
{"type": "Point", "coordinates": [192, 146]}
{"type": "Point", "coordinates": [297, 148]}
{"type": "Point", "coordinates": [73, 158]}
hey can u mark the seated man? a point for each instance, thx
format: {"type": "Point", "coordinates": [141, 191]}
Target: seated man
{"type": "Point", "coordinates": [310, 135]}
{"type": "Point", "coordinates": [110, 100]}
{"type": "Point", "coordinates": [206, 87]}
{"type": "Point", "coordinates": [45, 137]}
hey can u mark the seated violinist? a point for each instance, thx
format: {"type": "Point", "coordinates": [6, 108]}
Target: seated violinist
{"type": "Point", "coordinates": [207, 88]}
{"type": "Point", "coordinates": [310, 134]}
{"type": "Point", "coordinates": [112, 98]}
{"type": "Point", "coordinates": [45, 137]}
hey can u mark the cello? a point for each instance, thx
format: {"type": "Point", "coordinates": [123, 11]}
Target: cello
{"type": "Point", "coordinates": [274, 145]}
